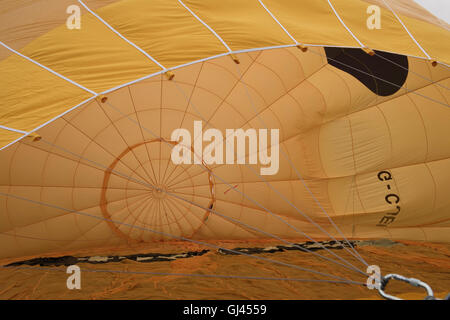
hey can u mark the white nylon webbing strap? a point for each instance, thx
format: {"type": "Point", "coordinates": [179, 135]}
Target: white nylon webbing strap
{"type": "Point", "coordinates": [279, 23]}
{"type": "Point", "coordinates": [26, 134]}
{"type": "Point", "coordinates": [48, 69]}
{"type": "Point", "coordinates": [13, 142]}
{"type": "Point", "coordinates": [206, 25]}
{"type": "Point", "coordinates": [13, 130]}
{"type": "Point", "coordinates": [345, 26]}
{"type": "Point", "coordinates": [406, 29]}
{"type": "Point", "coordinates": [121, 36]}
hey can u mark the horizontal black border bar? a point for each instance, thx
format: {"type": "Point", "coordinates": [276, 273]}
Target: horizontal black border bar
{"type": "Point", "coordinates": [223, 309]}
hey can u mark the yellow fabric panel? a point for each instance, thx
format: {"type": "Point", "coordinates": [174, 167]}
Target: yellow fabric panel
{"type": "Point", "coordinates": [92, 56]}
{"type": "Point", "coordinates": [30, 95]}
{"type": "Point", "coordinates": [411, 9]}
{"type": "Point", "coordinates": [7, 137]}
{"type": "Point", "coordinates": [168, 32]}
{"type": "Point", "coordinates": [391, 37]}
{"type": "Point", "coordinates": [435, 40]}
{"type": "Point", "coordinates": [20, 24]}
{"type": "Point", "coordinates": [322, 27]}
{"type": "Point", "coordinates": [241, 24]}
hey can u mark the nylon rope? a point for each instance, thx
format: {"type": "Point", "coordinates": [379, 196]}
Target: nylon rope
{"type": "Point", "coordinates": [386, 81]}
{"type": "Point", "coordinates": [48, 69]}
{"type": "Point", "coordinates": [121, 36]}
{"type": "Point", "coordinates": [160, 65]}
{"type": "Point", "coordinates": [350, 266]}
{"type": "Point", "coordinates": [172, 236]}
{"type": "Point", "coordinates": [206, 25]}
{"type": "Point", "coordinates": [48, 122]}
{"type": "Point", "coordinates": [307, 188]}
{"type": "Point", "coordinates": [270, 186]}
{"type": "Point", "coordinates": [406, 29]}
{"type": "Point", "coordinates": [112, 29]}
{"type": "Point", "coordinates": [278, 22]}
{"type": "Point", "coordinates": [228, 184]}
{"type": "Point", "coordinates": [343, 24]}
{"type": "Point", "coordinates": [13, 130]}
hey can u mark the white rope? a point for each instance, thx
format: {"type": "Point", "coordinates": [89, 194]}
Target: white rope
{"type": "Point", "coordinates": [182, 238]}
{"type": "Point", "coordinates": [241, 193]}
{"type": "Point", "coordinates": [12, 142]}
{"type": "Point", "coordinates": [48, 69]}
{"type": "Point", "coordinates": [406, 29]}
{"type": "Point", "coordinates": [121, 36]}
{"type": "Point", "coordinates": [26, 134]}
{"type": "Point", "coordinates": [356, 255]}
{"type": "Point", "coordinates": [151, 75]}
{"type": "Point", "coordinates": [413, 72]}
{"type": "Point", "coordinates": [345, 26]}
{"type": "Point", "coordinates": [13, 130]}
{"type": "Point", "coordinates": [391, 83]}
{"type": "Point", "coordinates": [133, 82]}
{"type": "Point", "coordinates": [185, 65]}
{"type": "Point", "coordinates": [163, 71]}
{"type": "Point", "coordinates": [222, 55]}
{"type": "Point", "coordinates": [206, 25]}
{"type": "Point", "coordinates": [268, 183]}
{"type": "Point", "coordinates": [195, 62]}
{"type": "Point", "coordinates": [279, 23]}
{"type": "Point", "coordinates": [62, 114]}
